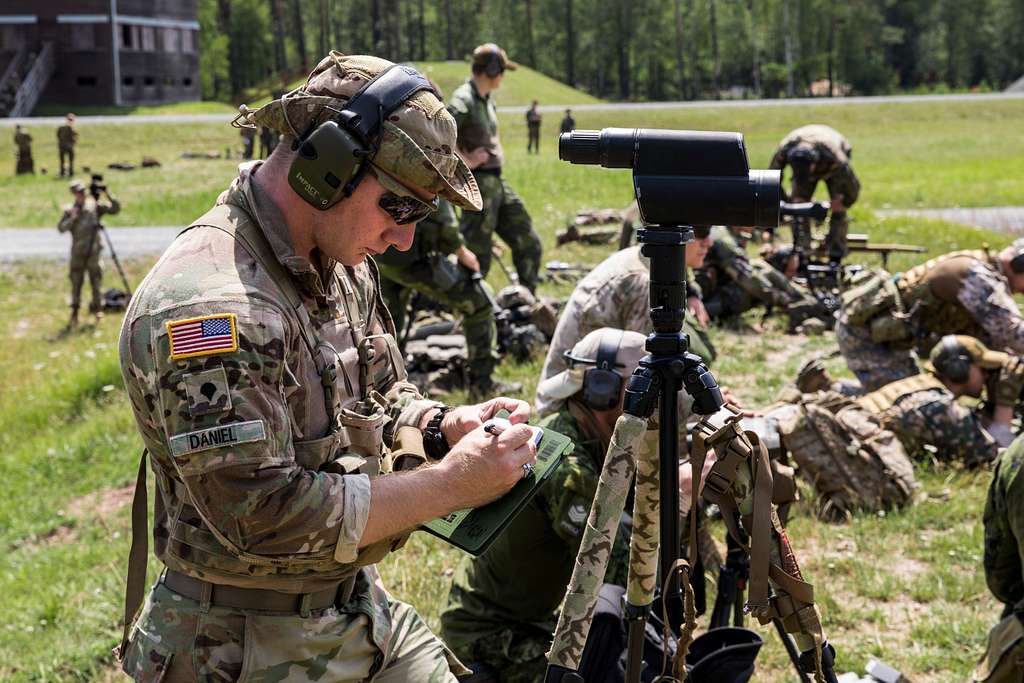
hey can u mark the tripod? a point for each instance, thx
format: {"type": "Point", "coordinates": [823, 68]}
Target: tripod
{"type": "Point", "coordinates": [661, 374]}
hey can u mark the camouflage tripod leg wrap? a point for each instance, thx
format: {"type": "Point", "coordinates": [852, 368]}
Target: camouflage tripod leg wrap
{"type": "Point", "coordinates": [646, 534]}
{"type": "Point", "coordinates": [740, 483]}
{"type": "Point", "coordinates": [626, 448]}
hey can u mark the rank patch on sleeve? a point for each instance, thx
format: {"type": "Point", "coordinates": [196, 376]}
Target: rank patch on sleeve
{"type": "Point", "coordinates": [217, 437]}
{"type": "Point", "coordinates": [203, 336]}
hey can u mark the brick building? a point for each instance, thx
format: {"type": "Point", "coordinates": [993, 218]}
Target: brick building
{"type": "Point", "coordinates": [101, 52]}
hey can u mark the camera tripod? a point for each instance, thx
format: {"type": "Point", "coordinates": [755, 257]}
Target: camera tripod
{"type": "Point", "coordinates": [742, 466]}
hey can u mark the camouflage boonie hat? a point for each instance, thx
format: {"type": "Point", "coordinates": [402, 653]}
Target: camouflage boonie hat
{"type": "Point", "coordinates": [953, 345]}
{"type": "Point", "coordinates": [418, 139]}
{"type": "Point", "coordinates": [557, 388]}
{"type": "Point", "coordinates": [488, 52]}
{"type": "Point", "coordinates": [76, 186]}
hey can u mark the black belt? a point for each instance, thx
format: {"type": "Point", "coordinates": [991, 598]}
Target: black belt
{"type": "Point", "coordinates": [221, 595]}
{"type": "Point", "coordinates": [487, 171]}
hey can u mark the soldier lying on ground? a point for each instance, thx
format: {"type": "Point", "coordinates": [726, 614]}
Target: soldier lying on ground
{"type": "Point", "coordinates": [1004, 568]}
{"type": "Point", "coordinates": [503, 605]}
{"type": "Point", "coordinates": [885, 317]}
{"type": "Point", "coordinates": [731, 283]}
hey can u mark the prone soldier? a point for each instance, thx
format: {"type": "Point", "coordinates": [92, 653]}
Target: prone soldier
{"type": "Point", "coordinates": [67, 138]}
{"type": "Point", "coordinates": [884, 317]}
{"type": "Point", "coordinates": [82, 219]}
{"type": "Point", "coordinates": [815, 153]}
{"type": "Point", "coordinates": [425, 268]}
{"type": "Point", "coordinates": [503, 605]}
{"type": "Point", "coordinates": [478, 144]}
{"type": "Point", "coordinates": [731, 283]}
{"type": "Point", "coordinates": [23, 141]}
{"type": "Point", "coordinates": [263, 373]}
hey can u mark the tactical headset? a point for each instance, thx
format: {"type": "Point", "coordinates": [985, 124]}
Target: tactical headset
{"type": "Point", "coordinates": [494, 67]}
{"type": "Point", "coordinates": [333, 157]}
{"type": "Point", "coordinates": [952, 361]}
{"type": "Point", "coordinates": [1017, 262]}
{"type": "Point", "coordinates": [602, 386]}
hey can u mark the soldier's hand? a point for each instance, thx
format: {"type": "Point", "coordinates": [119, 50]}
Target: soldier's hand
{"type": "Point", "coordinates": [696, 307]}
{"type": "Point", "coordinates": [837, 203]}
{"type": "Point", "coordinates": [1010, 382]}
{"type": "Point", "coordinates": [483, 467]}
{"type": "Point", "coordinates": [460, 421]}
{"type": "Point", "coordinates": [467, 258]}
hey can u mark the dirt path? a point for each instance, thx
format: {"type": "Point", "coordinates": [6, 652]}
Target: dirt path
{"type": "Point", "coordinates": [19, 244]}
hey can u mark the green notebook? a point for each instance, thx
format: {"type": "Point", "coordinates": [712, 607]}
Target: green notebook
{"type": "Point", "coordinates": [474, 530]}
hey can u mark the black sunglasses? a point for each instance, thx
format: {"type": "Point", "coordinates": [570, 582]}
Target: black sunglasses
{"type": "Point", "coordinates": [404, 208]}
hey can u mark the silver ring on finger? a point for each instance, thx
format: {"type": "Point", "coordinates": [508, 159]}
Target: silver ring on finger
{"type": "Point", "coordinates": [527, 470]}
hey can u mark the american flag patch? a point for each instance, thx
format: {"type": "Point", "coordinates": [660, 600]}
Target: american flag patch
{"type": "Point", "coordinates": [203, 336]}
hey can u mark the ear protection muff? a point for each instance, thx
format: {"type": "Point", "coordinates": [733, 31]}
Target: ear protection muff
{"type": "Point", "coordinates": [602, 385]}
{"type": "Point", "coordinates": [332, 158]}
{"type": "Point", "coordinates": [494, 67]}
{"type": "Point", "coordinates": [952, 361]}
{"type": "Point", "coordinates": [1017, 263]}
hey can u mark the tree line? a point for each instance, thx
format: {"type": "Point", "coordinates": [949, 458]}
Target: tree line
{"type": "Point", "coordinates": [636, 49]}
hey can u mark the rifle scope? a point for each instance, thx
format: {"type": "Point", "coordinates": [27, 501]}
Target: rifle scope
{"type": "Point", "coordinates": [683, 177]}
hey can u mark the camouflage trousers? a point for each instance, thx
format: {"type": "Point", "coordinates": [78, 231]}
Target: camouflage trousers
{"type": "Point", "coordinates": [515, 654]}
{"type": "Point", "coordinates": [67, 155]}
{"type": "Point", "coordinates": [77, 271]}
{"type": "Point", "coordinates": [397, 286]}
{"type": "Point", "coordinates": [875, 365]}
{"type": "Point", "coordinates": [25, 164]}
{"type": "Point", "coordinates": [503, 213]}
{"type": "Point", "coordinates": [843, 184]}
{"type": "Point", "coordinates": [176, 640]}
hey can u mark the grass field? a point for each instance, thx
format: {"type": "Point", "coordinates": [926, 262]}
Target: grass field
{"type": "Point", "coordinates": [906, 587]}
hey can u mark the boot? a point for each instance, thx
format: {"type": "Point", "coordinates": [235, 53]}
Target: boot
{"type": "Point", "coordinates": [73, 320]}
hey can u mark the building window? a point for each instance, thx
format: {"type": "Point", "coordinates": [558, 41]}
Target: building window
{"type": "Point", "coordinates": [186, 82]}
{"type": "Point", "coordinates": [171, 39]}
{"type": "Point", "coordinates": [86, 81]}
{"type": "Point", "coordinates": [188, 44]}
{"type": "Point", "coordinates": [148, 81]}
{"type": "Point", "coordinates": [148, 39]}
{"type": "Point", "coordinates": [129, 37]}
{"type": "Point", "coordinates": [128, 80]}
{"type": "Point", "coordinates": [169, 81]}
{"type": "Point", "coordinates": [83, 36]}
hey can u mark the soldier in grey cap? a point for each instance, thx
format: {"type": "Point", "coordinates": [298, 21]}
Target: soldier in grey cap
{"type": "Point", "coordinates": [266, 384]}
{"type": "Point", "coordinates": [82, 219]}
{"type": "Point", "coordinates": [478, 144]}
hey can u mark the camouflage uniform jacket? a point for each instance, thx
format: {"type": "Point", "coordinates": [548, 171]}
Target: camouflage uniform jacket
{"type": "Point", "coordinates": [436, 234]}
{"type": "Point", "coordinates": [67, 137]}
{"type": "Point", "coordinates": [84, 228]}
{"type": "Point", "coordinates": [23, 141]}
{"type": "Point", "coordinates": [1004, 527]}
{"type": "Point", "coordinates": [728, 262]}
{"type": "Point", "coordinates": [522, 576]}
{"type": "Point", "coordinates": [833, 151]}
{"type": "Point", "coordinates": [614, 294]}
{"type": "Point", "coordinates": [477, 120]}
{"type": "Point", "coordinates": [963, 293]}
{"type": "Point", "coordinates": [921, 412]}
{"type": "Point", "coordinates": [263, 454]}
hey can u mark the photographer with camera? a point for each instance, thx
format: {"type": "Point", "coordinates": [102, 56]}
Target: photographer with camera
{"type": "Point", "coordinates": [82, 219]}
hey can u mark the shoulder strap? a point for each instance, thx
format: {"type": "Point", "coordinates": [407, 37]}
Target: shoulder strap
{"type": "Point", "coordinates": [135, 583]}
{"type": "Point", "coordinates": [229, 219]}
{"type": "Point", "coordinates": [881, 400]}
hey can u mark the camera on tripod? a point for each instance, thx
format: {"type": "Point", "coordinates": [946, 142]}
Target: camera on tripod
{"type": "Point", "coordinates": [97, 186]}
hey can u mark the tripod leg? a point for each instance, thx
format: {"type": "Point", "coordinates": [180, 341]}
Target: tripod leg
{"type": "Point", "coordinates": [794, 656]}
{"type": "Point", "coordinates": [643, 554]}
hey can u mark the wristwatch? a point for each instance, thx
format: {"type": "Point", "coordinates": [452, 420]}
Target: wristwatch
{"type": "Point", "coordinates": [434, 442]}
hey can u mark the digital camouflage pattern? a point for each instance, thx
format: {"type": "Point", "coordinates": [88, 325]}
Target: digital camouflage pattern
{"type": "Point", "coordinates": [926, 413]}
{"type": "Point", "coordinates": [503, 605]}
{"type": "Point", "coordinates": [627, 447]}
{"type": "Point", "coordinates": [957, 293]}
{"type": "Point", "coordinates": [416, 139]}
{"type": "Point", "coordinates": [503, 213]}
{"type": "Point", "coordinates": [86, 244]}
{"type": "Point", "coordinates": [403, 273]}
{"type": "Point", "coordinates": [285, 509]}
{"type": "Point", "coordinates": [833, 166]}
{"type": "Point", "coordinates": [616, 293]}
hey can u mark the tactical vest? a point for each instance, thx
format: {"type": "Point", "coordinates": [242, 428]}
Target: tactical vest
{"type": "Point", "coordinates": [881, 402]}
{"type": "Point", "coordinates": [929, 294]}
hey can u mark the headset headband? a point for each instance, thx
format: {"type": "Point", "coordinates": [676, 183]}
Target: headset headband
{"type": "Point", "coordinates": [364, 114]}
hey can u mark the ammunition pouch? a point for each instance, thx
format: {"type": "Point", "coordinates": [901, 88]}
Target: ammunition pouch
{"type": "Point", "coordinates": [894, 327]}
{"type": "Point", "coordinates": [443, 273]}
{"type": "Point", "coordinates": [871, 294]}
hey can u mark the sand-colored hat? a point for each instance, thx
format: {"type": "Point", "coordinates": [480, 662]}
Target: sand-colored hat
{"type": "Point", "coordinates": [417, 144]}
{"type": "Point", "coordinates": [76, 186]}
{"type": "Point", "coordinates": [959, 345]}
{"type": "Point", "coordinates": [488, 52]}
